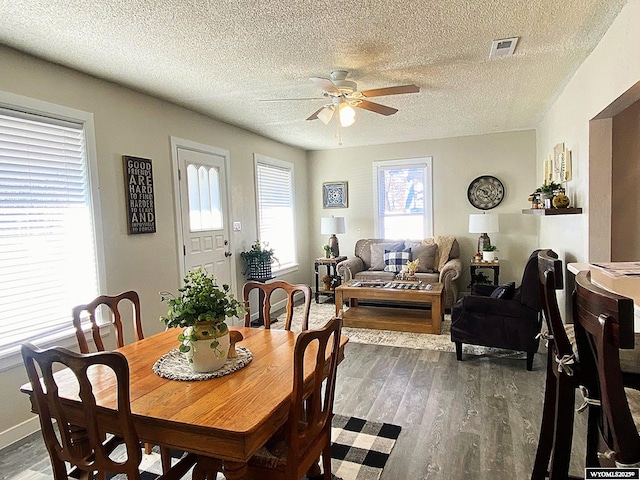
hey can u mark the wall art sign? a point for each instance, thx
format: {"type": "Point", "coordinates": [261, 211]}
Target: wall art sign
{"type": "Point", "coordinates": [335, 195]}
{"type": "Point", "coordinates": [138, 176]}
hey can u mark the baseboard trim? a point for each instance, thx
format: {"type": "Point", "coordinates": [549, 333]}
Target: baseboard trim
{"type": "Point", "coordinates": [18, 432]}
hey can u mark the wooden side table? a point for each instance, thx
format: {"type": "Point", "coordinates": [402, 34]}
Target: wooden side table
{"type": "Point", "coordinates": [495, 266]}
{"type": "Point", "coordinates": [331, 265]}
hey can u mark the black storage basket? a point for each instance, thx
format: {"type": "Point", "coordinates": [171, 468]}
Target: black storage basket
{"type": "Point", "coordinates": [258, 268]}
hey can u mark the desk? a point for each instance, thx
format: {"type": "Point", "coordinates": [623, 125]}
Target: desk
{"type": "Point", "coordinates": [227, 418]}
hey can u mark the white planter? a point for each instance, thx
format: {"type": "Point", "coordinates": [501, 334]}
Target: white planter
{"type": "Point", "coordinates": [204, 359]}
{"type": "Point", "coordinates": [489, 256]}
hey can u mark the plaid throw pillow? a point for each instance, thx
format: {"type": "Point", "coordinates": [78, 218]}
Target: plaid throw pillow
{"type": "Point", "coordinates": [395, 261]}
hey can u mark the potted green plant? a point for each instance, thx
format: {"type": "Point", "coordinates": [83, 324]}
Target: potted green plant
{"type": "Point", "coordinates": [547, 191]}
{"type": "Point", "coordinates": [258, 260]}
{"type": "Point", "coordinates": [201, 308]}
{"type": "Point", "coordinates": [489, 253]}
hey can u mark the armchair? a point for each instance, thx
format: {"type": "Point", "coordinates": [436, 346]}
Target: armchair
{"type": "Point", "coordinates": [509, 323]}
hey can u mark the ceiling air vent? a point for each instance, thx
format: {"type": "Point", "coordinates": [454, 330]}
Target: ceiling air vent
{"type": "Point", "coordinates": [503, 48]}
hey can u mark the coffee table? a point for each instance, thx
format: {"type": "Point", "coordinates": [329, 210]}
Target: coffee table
{"type": "Point", "coordinates": [416, 319]}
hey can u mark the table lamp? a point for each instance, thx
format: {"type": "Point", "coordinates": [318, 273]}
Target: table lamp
{"type": "Point", "coordinates": [331, 226]}
{"type": "Point", "coordinates": [483, 223]}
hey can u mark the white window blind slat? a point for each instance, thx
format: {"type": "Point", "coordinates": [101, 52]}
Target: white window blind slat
{"type": "Point", "coordinates": [274, 185]}
{"type": "Point", "coordinates": [47, 240]}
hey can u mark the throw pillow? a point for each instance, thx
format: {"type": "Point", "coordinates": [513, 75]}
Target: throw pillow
{"type": "Point", "coordinates": [377, 253]}
{"type": "Point", "coordinates": [396, 261]}
{"type": "Point", "coordinates": [505, 292]}
{"type": "Point", "coordinates": [427, 256]}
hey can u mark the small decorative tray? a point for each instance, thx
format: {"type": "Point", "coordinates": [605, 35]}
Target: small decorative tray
{"type": "Point", "coordinates": [175, 366]}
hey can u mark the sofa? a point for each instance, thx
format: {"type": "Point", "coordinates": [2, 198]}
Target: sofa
{"type": "Point", "coordinates": [439, 262]}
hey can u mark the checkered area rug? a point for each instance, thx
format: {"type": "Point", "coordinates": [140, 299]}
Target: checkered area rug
{"type": "Point", "coordinates": [359, 451]}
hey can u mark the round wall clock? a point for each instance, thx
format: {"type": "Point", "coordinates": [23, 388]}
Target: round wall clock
{"type": "Point", "coordinates": [485, 192]}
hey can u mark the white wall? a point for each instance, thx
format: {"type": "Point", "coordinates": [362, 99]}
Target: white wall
{"type": "Point", "coordinates": [610, 70]}
{"type": "Point", "coordinates": [131, 123]}
{"type": "Point", "coordinates": [456, 162]}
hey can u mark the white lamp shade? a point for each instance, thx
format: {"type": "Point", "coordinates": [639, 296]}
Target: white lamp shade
{"type": "Point", "coordinates": [483, 223]}
{"type": "Point", "coordinates": [347, 114]}
{"type": "Point", "coordinates": [331, 225]}
{"type": "Point", "coordinates": [326, 114]}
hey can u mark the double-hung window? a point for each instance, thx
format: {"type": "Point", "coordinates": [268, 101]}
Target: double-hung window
{"type": "Point", "coordinates": [403, 198]}
{"type": "Point", "coordinates": [48, 244]}
{"type": "Point", "coordinates": [275, 209]}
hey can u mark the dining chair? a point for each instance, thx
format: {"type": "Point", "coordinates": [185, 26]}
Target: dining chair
{"type": "Point", "coordinates": [553, 454]}
{"type": "Point", "coordinates": [265, 292]}
{"type": "Point", "coordinates": [85, 448]}
{"type": "Point", "coordinates": [599, 317]}
{"type": "Point", "coordinates": [307, 434]}
{"type": "Point", "coordinates": [113, 303]}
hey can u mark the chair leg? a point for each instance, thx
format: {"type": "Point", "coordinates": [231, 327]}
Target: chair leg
{"type": "Point", "coordinates": [545, 440]}
{"type": "Point", "coordinates": [530, 356]}
{"type": "Point", "coordinates": [147, 448]}
{"type": "Point", "coordinates": [459, 350]}
{"type": "Point", "coordinates": [563, 431]}
{"type": "Point", "coordinates": [326, 461]}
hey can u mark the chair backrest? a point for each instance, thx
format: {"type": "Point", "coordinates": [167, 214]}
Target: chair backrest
{"type": "Point", "coordinates": [82, 447]}
{"type": "Point", "coordinates": [550, 278]}
{"type": "Point", "coordinates": [113, 303]}
{"type": "Point", "coordinates": [598, 316]}
{"type": "Point", "coordinates": [528, 293]}
{"type": "Point", "coordinates": [265, 292]}
{"type": "Point", "coordinates": [312, 405]}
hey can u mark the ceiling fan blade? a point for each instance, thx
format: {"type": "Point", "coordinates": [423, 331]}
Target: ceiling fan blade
{"type": "Point", "coordinates": [290, 99]}
{"type": "Point", "coordinates": [325, 84]}
{"type": "Point", "coordinates": [314, 115]}
{"type": "Point", "coordinates": [376, 107]}
{"type": "Point", "coordinates": [378, 92]}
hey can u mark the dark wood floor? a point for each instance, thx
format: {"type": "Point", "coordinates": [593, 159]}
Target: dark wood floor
{"type": "Point", "coordinates": [476, 419]}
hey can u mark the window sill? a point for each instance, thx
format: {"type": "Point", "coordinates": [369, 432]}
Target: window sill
{"type": "Point", "coordinates": [11, 357]}
{"type": "Point", "coordinates": [284, 270]}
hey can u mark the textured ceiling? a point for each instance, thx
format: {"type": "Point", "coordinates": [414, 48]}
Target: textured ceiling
{"type": "Point", "coordinates": [222, 58]}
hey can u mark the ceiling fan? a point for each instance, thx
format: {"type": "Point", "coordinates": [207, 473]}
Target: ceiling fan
{"type": "Point", "coordinates": [344, 95]}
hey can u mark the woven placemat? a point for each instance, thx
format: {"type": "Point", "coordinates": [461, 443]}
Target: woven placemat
{"type": "Point", "coordinates": [175, 366]}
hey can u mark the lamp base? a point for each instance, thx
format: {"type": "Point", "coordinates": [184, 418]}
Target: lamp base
{"type": "Point", "coordinates": [482, 241]}
{"type": "Point", "coordinates": [333, 245]}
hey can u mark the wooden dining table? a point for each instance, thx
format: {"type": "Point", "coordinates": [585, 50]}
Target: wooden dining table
{"type": "Point", "coordinates": [227, 418]}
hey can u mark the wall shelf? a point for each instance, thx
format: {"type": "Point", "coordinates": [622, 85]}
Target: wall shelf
{"type": "Point", "coordinates": [552, 211]}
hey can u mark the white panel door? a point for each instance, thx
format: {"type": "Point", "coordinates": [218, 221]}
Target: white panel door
{"type": "Point", "coordinates": [203, 203]}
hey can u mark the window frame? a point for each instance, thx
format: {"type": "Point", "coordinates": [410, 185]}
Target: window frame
{"type": "Point", "coordinates": [424, 162]}
{"type": "Point", "coordinates": [10, 356]}
{"type": "Point", "coordinates": [277, 269]}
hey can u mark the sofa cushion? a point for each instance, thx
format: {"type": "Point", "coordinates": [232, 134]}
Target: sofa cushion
{"type": "Point", "coordinates": [427, 256]}
{"type": "Point", "coordinates": [396, 261]}
{"type": "Point", "coordinates": [377, 253]}
{"type": "Point", "coordinates": [505, 291]}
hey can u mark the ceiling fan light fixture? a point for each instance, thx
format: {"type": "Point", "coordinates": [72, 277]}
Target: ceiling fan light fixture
{"type": "Point", "coordinates": [347, 114]}
{"type": "Point", "coordinates": [326, 114]}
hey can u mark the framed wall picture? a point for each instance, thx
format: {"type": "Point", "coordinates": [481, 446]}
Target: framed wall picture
{"type": "Point", "coordinates": [139, 192]}
{"type": "Point", "coordinates": [335, 195]}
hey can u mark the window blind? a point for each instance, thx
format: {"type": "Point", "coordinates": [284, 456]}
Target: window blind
{"type": "Point", "coordinates": [47, 242]}
{"type": "Point", "coordinates": [274, 185]}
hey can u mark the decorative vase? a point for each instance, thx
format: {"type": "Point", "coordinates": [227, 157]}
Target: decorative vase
{"type": "Point", "coordinates": [560, 201]}
{"type": "Point", "coordinates": [488, 256]}
{"type": "Point", "coordinates": [203, 358]}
